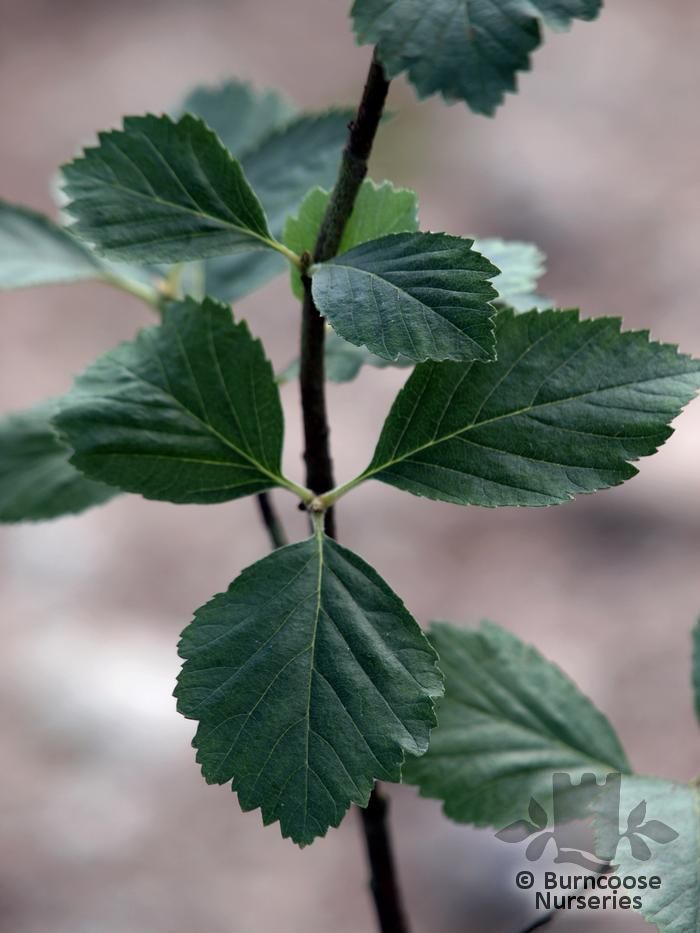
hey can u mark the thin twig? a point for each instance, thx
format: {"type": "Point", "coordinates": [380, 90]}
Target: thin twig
{"type": "Point", "coordinates": [271, 521]}
{"type": "Point", "coordinates": [317, 456]}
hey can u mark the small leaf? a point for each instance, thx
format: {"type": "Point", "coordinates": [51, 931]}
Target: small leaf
{"type": "Point", "coordinates": [537, 846]}
{"type": "Point", "coordinates": [419, 295]}
{"type": "Point", "coordinates": [36, 480]}
{"type": "Point", "coordinates": [466, 50]}
{"type": "Point", "coordinates": [508, 721]}
{"type": "Point", "coordinates": [35, 251]}
{"type": "Point", "coordinates": [309, 680]}
{"type": "Point", "coordinates": [160, 191]}
{"type": "Point", "coordinates": [659, 832]}
{"type": "Point", "coordinates": [674, 906]}
{"type": "Point", "coordinates": [636, 817]}
{"type": "Point", "coordinates": [517, 831]}
{"type": "Point", "coordinates": [537, 814]}
{"type": "Point", "coordinates": [344, 360]}
{"type": "Point", "coordinates": [521, 265]}
{"type": "Point", "coordinates": [281, 169]}
{"type": "Point", "coordinates": [379, 211]}
{"type": "Point", "coordinates": [187, 412]}
{"type": "Point", "coordinates": [239, 115]}
{"type": "Point", "coordinates": [563, 411]}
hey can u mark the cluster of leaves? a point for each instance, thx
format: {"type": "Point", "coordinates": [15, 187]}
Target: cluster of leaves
{"type": "Point", "coordinates": [308, 677]}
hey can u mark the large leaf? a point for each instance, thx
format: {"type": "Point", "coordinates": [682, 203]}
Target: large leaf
{"type": "Point", "coordinates": [563, 411]}
{"type": "Point", "coordinates": [379, 210]}
{"type": "Point", "coordinates": [309, 679]}
{"type": "Point", "coordinates": [521, 265]}
{"type": "Point", "coordinates": [281, 169]}
{"type": "Point", "coordinates": [669, 850]}
{"type": "Point", "coordinates": [187, 412]}
{"type": "Point", "coordinates": [467, 50]}
{"type": "Point", "coordinates": [418, 295]}
{"type": "Point", "coordinates": [35, 251]}
{"type": "Point", "coordinates": [36, 480]}
{"type": "Point", "coordinates": [508, 721]}
{"type": "Point", "coordinates": [239, 115]}
{"type": "Point", "coordinates": [163, 191]}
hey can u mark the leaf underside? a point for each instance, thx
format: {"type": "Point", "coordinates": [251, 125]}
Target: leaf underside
{"type": "Point", "coordinates": [310, 680]}
{"type": "Point", "coordinates": [563, 411]}
{"type": "Point", "coordinates": [37, 482]}
{"type": "Point", "coordinates": [509, 719]}
{"type": "Point", "coordinates": [418, 295]}
{"type": "Point", "coordinates": [468, 50]}
{"type": "Point", "coordinates": [187, 412]}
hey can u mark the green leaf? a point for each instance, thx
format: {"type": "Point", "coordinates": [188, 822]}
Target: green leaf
{"type": "Point", "coordinates": [696, 668]}
{"type": "Point", "coordinates": [309, 679]}
{"type": "Point", "coordinates": [379, 210]}
{"type": "Point", "coordinates": [418, 295]}
{"type": "Point", "coordinates": [509, 719]}
{"type": "Point", "coordinates": [36, 480]}
{"type": "Point", "coordinates": [239, 115]}
{"type": "Point", "coordinates": [563, 411]}
{"type": "Point", "coordinates": [343, 361]}
{"type": "Point", "coordinates": [281, 169]}
{"type": "Point", "coordinates": [35, 251]}
{"type": "Point", "coordinates": [466, 50]}
{"type": "Point", "coordinates": [160, 191]}
{"type": "Point", "coordinates": [521, 265]}
{"type": "Point", "coordinates": [673, 839]}
{"type": "Point", "coordinates": [187, 412]}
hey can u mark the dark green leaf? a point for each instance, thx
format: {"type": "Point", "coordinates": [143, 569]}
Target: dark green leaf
{"type": "Point", "coordinates": [509, 719]}
{"type": "Point", "coordinates": [188, 412]}
{"type": "Point", "coordinates": [521, 265]}
{"type": "Point", "coordinates": [379, 210]}
{"type": "Point", "coordinates": [281, 169]}
{"type": "Point", "coordinates": [239, 115]}
{"type": "Point", "coordinates": [418, 295]}
{"type": "Point", "coordinates": [344, 360]}
{"type": "Point", "coordinates": [309, 679]}
{"type": "Point", "coordinates": [674, 906]}
{"type": "Point", "coordinates": [35, 251]}
{"type": "Point", "coordinates": [466, 50]}
{"type": "Point", "coordinates": [563, 411]}
{"type": "Point", "coordinates": [36, 480]}
{"type": "Point", "coordinates": [160, 191]}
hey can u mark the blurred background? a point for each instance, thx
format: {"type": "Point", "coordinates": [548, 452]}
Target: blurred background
{"type": "Point", "coordinates": [105, 823]}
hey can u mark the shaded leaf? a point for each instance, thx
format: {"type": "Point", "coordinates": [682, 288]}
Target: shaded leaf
{"type": "Point", "coordinates": [309, 680]}
{"type": "Point", "coordinates": [537, 814]}
{"type": "Point", "coordinates": [239, 115]}
{"type": "Point", "coordinates": [638, 847]}
{"type": "Point", "coordinates": [466, 50]}
{"type": "Point", "coordinates": [36, 480]}
{"type": "Point", "coordinates": [636, 816]}
{"type": "Point", "coordinates": [659, 832]}
{"type": "Point", "coordinates": [419, 295]}
{"type": "Point", "coordinates": [536, 848]}
{"type": "Point", "coordinates": [509, 719]}
{"type": "Point", "coordinates": [187, 412]}
{"type": "Point", "coordinates": [161, 191]}
{"type": "Point", "coordinates": [563, 411]}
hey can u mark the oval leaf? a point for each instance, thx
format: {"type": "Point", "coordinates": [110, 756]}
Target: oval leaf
{"type": "Point", "coordinates": [187, 412]}
{"type": "Point", "coordinates": [163, 191]}
{"type": "Point", "coordinates": [418, 295]}
{"type": "Point", "coordinates": [508, 721]}
{"type": "Point", "coordinates": [563, 411]}
{"type": "Point", "coordinates": [309, 679]}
